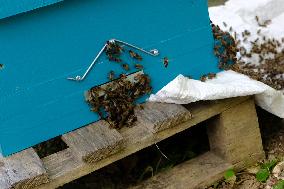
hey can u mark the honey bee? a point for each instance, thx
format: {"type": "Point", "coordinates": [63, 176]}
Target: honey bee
{"type": "Point", "coordinates": [1, 66]}
{"type": "Point", "coordinates": [238, 42]}
{"type": "Point", "coordinates": [114, 59]}
{"type": "Point", "coordinates": [141, 107]}
{"type": "Point", "coordinates": [203, 78]}
{"type": "Point", "coordinates": [135, 55]}
{"type": "Point", "coordinates": [122, 76]}
{"type": "Point", "coordinates": [258, 31]}
{"type": "Point", "coordinates": [216, 52]}
{"type": "Point", "coordinates": [257, 18]}
{"type": "Point", "coordinates": [137, 77]}
{"type": "Point", "coordinates": [111, 75]}
{"type": "Point", "coordinates": [261, 58]}
{"type": "Point", "coordinates": [224, 43]}
{"type": "Point", "coordinates": [101, 116]}
{"type": "Point", "coordinates": [138, 66]}
{"type": "Point", "coordinates": [125, 67]}
{"type": "Point", "coordinates": [249, 55]}
{"type": "Point", "coordinates": [264, 24]}
{"type": "Point", "coordinates": [247, 33]}
{"type": "Point", "coordinates": [225, 24]}
{"type": "Point", "coordinates": [166, 62]}
{"type": "Point", "coordinates": [211, 75]}
{"type": "Point", "coordinates": [267, 22]}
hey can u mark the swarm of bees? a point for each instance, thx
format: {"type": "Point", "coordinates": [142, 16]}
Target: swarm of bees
{"type": "Point", "coordinates": [115, 101]}
{"type": "Point", "coordinates": [225, 47]}
{"type": "Point", "coordinates": [114, 51]}
{"type": "Point", "coordinates": [267, 51]}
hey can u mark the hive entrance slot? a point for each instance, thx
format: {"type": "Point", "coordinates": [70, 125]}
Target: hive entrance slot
{"type": "Point", "coordinates": [129, 77]}
{"type": "Point", "coordinates": [49, 147]}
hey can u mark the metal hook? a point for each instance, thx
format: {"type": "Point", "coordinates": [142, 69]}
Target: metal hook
{"type": "Point", "coordinates": [153, 52]}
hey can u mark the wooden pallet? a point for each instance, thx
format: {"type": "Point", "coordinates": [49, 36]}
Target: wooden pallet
{"type": "Point", "coordinates": [234, 137]}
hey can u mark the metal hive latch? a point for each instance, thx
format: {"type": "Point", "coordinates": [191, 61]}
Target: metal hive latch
{"type": "Point", "coordinates": [153, 52]}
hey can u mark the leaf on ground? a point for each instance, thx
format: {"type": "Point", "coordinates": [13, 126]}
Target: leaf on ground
{"type": "Point", "coordinates": [229, 175]}
{"type": "Point", "coordinates": [262, 175]}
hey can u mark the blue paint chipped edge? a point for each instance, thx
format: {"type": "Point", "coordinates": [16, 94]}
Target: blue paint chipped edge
{"type": "Point", "coordinates": [13, 7]}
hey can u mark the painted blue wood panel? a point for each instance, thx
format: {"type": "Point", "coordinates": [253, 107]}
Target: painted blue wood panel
{"type": "Point", "coordinates": [41, 49]}
{"type": "Point", "coordinates": [13, 7]}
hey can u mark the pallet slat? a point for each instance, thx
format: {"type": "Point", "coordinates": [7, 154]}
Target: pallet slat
{"type": "Point", "coordinates": [196, 173]}
{"type": "Point", "coordinates": [94, 142]}
{"type": "Point", "coordinates": [161, 116]}
{"type": "Point", "coordinates": [62, 167]}
{"type": "Point", "coordinates": [23, 170]}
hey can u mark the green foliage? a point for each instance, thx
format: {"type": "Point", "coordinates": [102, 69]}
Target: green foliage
{"type": "Point", "coordinates": [279, 185]}
{"type": "Point", "coordinates": [269, 165]}
{"type": "Point", "coordinates": [229, 174]}
{"type": "Point", "coordinates": [263, 174]}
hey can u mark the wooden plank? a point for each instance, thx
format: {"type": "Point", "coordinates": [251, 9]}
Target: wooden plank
{"type": "Point", "coordinates": [23, 170]}
{"type": "Point", "coordinates": [196, 173]}
{"type": "Point", "coordinates": [161, 116]}
{"type": "Point", "coordinates": [94, 142]}
{"type": "Point", "coordinates": [135, 139]}
{"type": "Point", "coordinates": [63, 167]}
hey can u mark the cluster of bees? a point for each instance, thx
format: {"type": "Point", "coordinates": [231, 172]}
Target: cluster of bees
{"type": "Point", "coordinates": [225, 47]}
{"type": "Point", "coordinates": [262, 59]}
{"type": "Point", "coordinates": [115, 101]}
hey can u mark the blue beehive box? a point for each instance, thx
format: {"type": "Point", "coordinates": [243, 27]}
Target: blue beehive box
{"type": "Point", "coordinates": [40, 49]}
